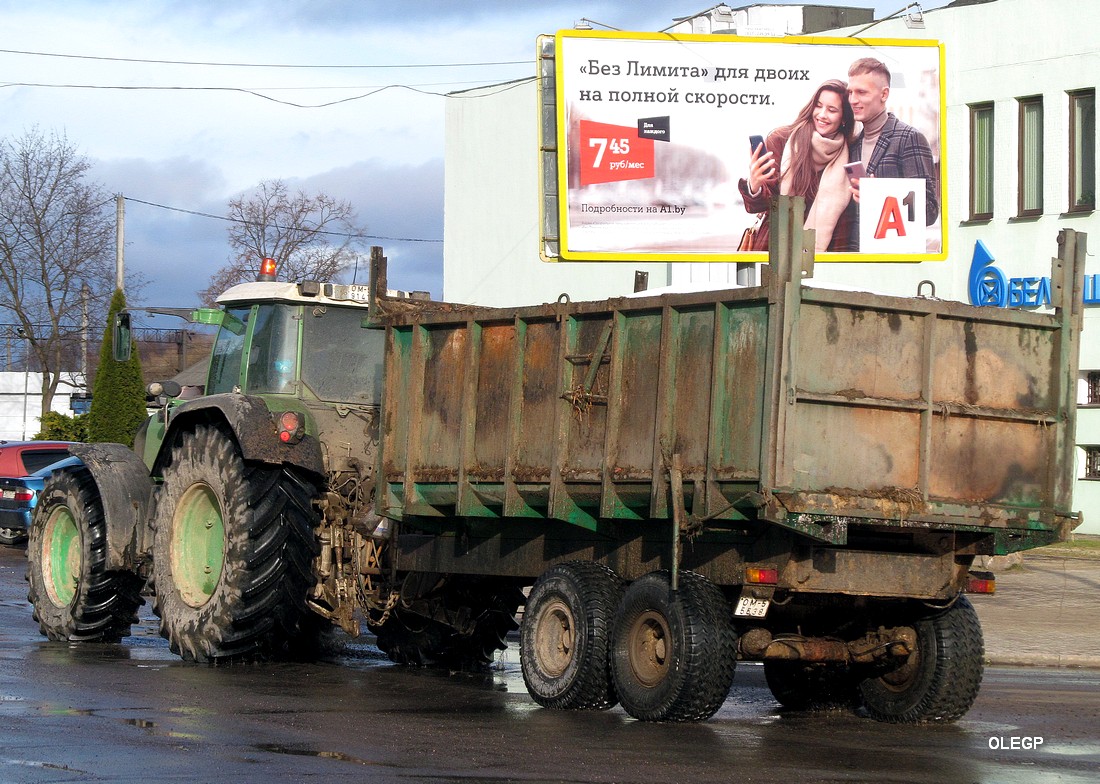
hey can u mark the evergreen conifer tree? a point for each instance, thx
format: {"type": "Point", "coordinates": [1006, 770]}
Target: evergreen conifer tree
{"type": "Point", "coordinates": [118, 394]}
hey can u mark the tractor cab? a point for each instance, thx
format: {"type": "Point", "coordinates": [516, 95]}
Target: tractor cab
{"type": "Point", "coordinates": [300, 356]}
{"type": "Point", "coordinates": [305, 340]}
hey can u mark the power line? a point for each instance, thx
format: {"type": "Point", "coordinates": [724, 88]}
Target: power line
{"type": "Point", "coordinates": [227, 219]}
{"type": "Point", "coordinates": [136, 88]}
{"type": "Point", "coordinates": [261, 65]}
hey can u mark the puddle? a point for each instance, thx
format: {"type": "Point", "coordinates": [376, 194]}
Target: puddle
{"type": "Point", "coordinates": [302, 751]}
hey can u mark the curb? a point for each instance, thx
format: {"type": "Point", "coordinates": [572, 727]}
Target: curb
{"type": "Point", "coordinates": [1051, 660]}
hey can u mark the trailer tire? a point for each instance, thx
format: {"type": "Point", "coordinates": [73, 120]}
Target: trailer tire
{"type": "Point", "coordinates": [940, 680]}
{"type": "Point", "coordinates": [12, 536]}
{"type": "Point", "coordinates": [811, 686]}
{"type": "Point", "coordinates": [75, 598]}
{"type": "Point", "coordinates": [673, 653]}
{"type": "Point", "coordinates": [233, 546]}
{"type": "Point", "coordinates": [566, 637]}
{"type": "Point", "coordinates": [410, 639]}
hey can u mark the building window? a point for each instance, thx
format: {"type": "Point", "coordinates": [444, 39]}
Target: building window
{"type": "Point", "coordinates": [1093, 398]}
{"type": "Point", "coordinates": [1092, 462]}
{"type": "Point", "coordinates": [1030, 161]}
{"type": "Point", "coordinates": [1082, 150]}
{"type": "Point", "coordinates": [981, 161]}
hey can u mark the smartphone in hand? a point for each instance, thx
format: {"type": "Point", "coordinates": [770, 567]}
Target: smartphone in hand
{"type": "Point", "coordinates": [855, 170]}
{"type": "Point", "coordinates": [755, 141]}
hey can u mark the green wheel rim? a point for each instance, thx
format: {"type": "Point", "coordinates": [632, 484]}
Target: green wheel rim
{"type": "Point", "coordinates": [198, 544]}
{"type": "Point", "coordinates": [63, 556]}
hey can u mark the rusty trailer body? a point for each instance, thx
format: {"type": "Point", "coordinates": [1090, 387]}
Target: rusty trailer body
{"type": "Point", "coordinates": [857, 443]}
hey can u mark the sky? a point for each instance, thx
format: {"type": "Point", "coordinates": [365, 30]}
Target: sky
{"type": "Point", "coordinates": [182, 105]}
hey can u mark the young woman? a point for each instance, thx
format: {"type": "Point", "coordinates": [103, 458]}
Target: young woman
{"type": "Point", "coordinates": [806, 158]}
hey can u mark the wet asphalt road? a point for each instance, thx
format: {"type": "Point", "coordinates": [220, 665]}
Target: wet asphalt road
{"type": "Point", "coordinates": [135, 713]}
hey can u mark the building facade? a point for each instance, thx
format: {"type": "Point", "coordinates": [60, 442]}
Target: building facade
{"type": "Point", "coordinates": [1020, 165]}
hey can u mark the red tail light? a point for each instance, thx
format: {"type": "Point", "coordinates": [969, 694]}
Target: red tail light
{"type": "Point", "coordinates": [24, 495]}
{"type": "Point", "coordinates": [983, 582]}
{"type": "Point", "coordinates": [761, 576]}
{"type": "Point", "coordinates": [291, 427]}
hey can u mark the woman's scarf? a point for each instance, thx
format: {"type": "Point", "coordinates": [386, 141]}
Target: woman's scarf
{"type": "Point", "coordinates": [829, 156]}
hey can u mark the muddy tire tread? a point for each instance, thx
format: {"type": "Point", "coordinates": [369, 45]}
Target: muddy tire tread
{"type": "Point", "coordinates": [258, 609]}
{"type": "Point", "coordinates": [594, 591]}
{"type": "Point", "coordinates": [952, 676]}
{"type": "Point", "coordinates": [105, 606]}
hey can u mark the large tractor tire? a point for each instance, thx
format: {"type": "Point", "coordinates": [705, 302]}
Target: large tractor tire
{"type": "Point", "coordinates": [75, 597]}
{"type": "Point", "coordinates": [411, 639]}
{"type": "Point", "coordinates": [673, 653]}
{"type": "Point", "coordinates": [232, 553]}
{"type": "Point", "coordinates": [566, 636]}
{"type": "Point", "coordinates": [939, 681]}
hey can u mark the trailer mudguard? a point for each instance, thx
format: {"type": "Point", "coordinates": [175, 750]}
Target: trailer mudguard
{"type": "Point", "coordinates": [125, 491]}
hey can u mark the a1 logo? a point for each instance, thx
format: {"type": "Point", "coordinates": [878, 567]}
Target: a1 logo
{"type": "Point", "coordinates": [891, 215]}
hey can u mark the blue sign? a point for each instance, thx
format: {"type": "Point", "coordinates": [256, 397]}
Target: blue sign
{"type": "Point", "coordinates": [988, 286]}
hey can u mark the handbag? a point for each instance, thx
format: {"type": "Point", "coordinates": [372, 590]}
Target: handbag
{"type": "Point", "coordinates": [748, 237]}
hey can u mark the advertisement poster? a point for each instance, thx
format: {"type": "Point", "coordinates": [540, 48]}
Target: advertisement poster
{"type": "Point", "coordinates": [656, 139]}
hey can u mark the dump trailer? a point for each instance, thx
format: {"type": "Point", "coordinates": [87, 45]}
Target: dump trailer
{"type": "Point", "coordinates": [665, 484]}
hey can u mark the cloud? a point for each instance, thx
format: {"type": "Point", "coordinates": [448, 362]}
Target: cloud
{"type": "Point", "coordinates": [399, 205]}
{"type": "Point", "coordinates": [176, 252]}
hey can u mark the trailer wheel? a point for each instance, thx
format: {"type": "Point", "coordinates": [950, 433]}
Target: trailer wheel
{"type": "Point", "coordinates": [12, 536]}
{"type": "Point", "coordinates": [673, 653]}
{"type": "Point", "coordinates": [939, 681]}
{"type": "Point", "coordinates": [566, 636]}
{"type": "Point", "coordinates": [811, 686]}
{"type": "Point", "coordinates": [411, 639]}
{"type": "Point", "coordinates": [75, 598]}
{"type": "Point", "coordinates": [233, 546]}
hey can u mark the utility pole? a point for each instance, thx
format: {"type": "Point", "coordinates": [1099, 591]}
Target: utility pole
{"type": "Point", "coordinates": [120, 242]}
{"type": "Point", "coordinates": [85, 293]}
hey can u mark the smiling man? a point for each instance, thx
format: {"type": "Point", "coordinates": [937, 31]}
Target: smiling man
{"type": "Point", "coordinates": [887, 146]}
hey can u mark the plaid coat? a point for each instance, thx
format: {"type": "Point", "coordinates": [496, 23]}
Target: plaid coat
{"type": "Point", "coordinates": [902, 151]}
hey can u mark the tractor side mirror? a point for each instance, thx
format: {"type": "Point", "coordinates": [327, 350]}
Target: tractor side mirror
{"type": "Point", "coordinates": [122, 337]}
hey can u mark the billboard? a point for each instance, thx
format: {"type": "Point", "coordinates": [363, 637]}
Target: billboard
{"type": "Point", "coordinates": [662, 147]}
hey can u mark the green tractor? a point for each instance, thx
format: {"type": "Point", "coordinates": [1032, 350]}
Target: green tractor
{"type": "Point", "coordinates": [248, 512]}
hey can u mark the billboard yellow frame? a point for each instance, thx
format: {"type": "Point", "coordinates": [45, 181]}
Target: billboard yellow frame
{"type": "Point", "coordinates": [690, 104]}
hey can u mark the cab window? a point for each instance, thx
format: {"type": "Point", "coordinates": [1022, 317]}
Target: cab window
{"type": "Point", "coordinates": [273, 350]}
{"type": "Point", "coordinates": [342, 360]}
{"type": "Point", "coordinates": [225, 359]}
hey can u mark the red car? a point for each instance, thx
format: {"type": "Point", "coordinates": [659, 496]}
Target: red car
{"type": "Point", "coordinates": [17, 460]}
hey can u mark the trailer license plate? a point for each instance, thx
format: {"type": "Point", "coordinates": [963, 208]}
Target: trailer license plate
{"type": "Point", "coordinates": [748, 607]}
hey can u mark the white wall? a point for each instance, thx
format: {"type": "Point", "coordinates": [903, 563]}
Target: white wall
{"type": "Point", "coordinates": [491, 210]}
{"type": "Point", "coordinates": [21, 403]}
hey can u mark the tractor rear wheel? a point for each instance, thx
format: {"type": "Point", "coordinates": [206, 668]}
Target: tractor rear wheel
{"type": "Point", "coordinates": [233, 548]}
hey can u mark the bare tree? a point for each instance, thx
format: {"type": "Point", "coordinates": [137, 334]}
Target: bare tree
{"type": "Point", "coordinates": [55, 236]}
{"type": "Point", "coordinates": [312, 237]}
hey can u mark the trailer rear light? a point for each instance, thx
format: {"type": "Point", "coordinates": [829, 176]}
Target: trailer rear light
{"type": "Point", "coordinates": [267, 270]}
{"type": "Point", "coordinates": [983, 582]}
{"type": "Point", "coordinates": [761, 576]}
{"type": "Point", "coordinates": [291, 427]}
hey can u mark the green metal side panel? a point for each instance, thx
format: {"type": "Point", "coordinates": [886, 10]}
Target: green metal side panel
{"type": "Point", "coordinates": [811, 409]}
